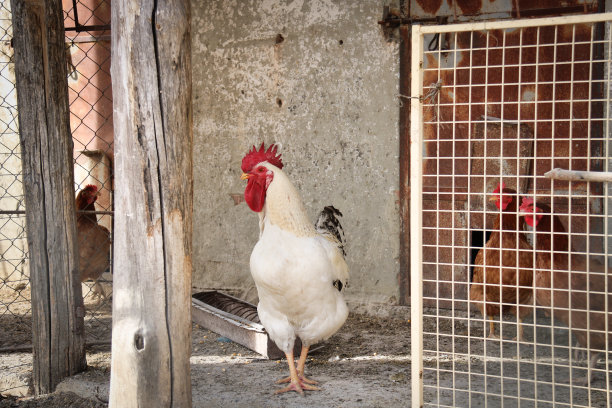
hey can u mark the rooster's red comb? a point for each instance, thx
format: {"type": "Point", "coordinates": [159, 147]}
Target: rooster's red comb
{"type": "Point", "coordinates": [500, 187]}
{"type": "Point", "coordinates": [255, 156]}
{"type": "Point", "coordinates": [91, 187]}
{"type": "Point", "coordinates": [526, 204]}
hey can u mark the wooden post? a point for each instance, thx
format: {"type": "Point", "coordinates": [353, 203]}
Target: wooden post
{"type": "Point", "coordinates": [46, 148]}
{"type": "Point", "coordinates": [151, 75]}
{"type": "Point", "coordinates": [577, 175]}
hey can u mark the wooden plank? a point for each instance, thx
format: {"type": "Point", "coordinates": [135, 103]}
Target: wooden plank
{"type": "Point", "coordinates": [576, 175]}
{"type": "Point", "coordinates": [46, 143]}
{"type": "Point", "coordinates": [151, 76]}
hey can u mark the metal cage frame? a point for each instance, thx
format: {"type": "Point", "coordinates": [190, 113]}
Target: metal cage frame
{"type": "Point", "coordinates": [422, 98]}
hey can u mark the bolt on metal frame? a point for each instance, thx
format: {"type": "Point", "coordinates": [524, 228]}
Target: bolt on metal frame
{"type": "Point", "coordinates": [547, 81]}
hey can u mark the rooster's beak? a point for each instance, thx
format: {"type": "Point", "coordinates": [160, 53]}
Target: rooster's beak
{"type": "Point", "coordinates": [493, 198]}
{"type": "Point", "coordinates": [244, 176]}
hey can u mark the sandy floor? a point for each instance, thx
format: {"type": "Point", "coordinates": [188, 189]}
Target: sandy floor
{"type": "Point", "coordinates": [366, 364]}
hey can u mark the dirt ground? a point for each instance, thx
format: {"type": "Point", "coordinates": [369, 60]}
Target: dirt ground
{"type": "Point", "coordinates": [366, 364]}
{"type": "Point", "coordinates": [16, 316]}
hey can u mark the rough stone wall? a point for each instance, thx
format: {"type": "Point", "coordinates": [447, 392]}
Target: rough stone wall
{"type": "Point", "coordinates": [318, 77]}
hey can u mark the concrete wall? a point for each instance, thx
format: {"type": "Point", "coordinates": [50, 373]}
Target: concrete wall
{"type": "Point", "coordinates": [318, 77]}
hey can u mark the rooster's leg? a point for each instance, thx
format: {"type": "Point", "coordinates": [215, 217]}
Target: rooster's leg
{"type": "Point", "coordinates": [584, 381]}
{"type": "Point", "coordinates": [579, 354]}
{"type": "Point", "coordinates": [492, 334]}
{"type": "Point", "coordinates": [305, 383]}
{"type": "Point", "coordinates": [520, 329]}
{"type": "Point", "coordinates": [98, 291]}
{"type": "Point", "coordinates": [300, 367]}
{"type": "Point", "coordinates": [294, 382]}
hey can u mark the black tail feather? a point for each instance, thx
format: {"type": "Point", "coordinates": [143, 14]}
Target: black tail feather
{"type": "Point", "coordinates": [329, 223]}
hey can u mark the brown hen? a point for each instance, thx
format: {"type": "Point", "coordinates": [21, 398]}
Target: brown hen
{"type": "Point", "coordinates": [572, 287]}
{"type": "Point", "coordinates": [94, 240]}
{"type": "Point", "coordinates": [502, 280]}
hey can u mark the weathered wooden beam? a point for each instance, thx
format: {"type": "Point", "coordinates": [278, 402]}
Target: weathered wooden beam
{"type": "Point", "coordinates": [151, 75]}
{"type": "Point", "coordinates": [46, 147]}
{"type": "Point", "coordinates": [577, 175]}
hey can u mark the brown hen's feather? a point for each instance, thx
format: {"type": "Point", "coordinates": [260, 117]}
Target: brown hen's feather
{"type": "Point", "coordinates": [503, 275]}
{"type": "Point", "coordinates": [573, 289]}
{"type": "Point", "coordinates": [93, 239]}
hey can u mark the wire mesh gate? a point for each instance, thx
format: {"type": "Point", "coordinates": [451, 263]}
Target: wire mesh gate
{"type": "Point", "coordinates": [495, 107]}
{"type": "Point", "coordinates": [88, 59]}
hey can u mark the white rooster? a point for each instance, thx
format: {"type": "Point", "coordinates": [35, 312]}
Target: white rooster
{"type": "Point", "coordinates": [299, 268]}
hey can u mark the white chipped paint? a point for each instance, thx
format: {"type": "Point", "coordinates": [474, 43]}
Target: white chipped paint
{"type": "Point", "coordinates": [528, 96]}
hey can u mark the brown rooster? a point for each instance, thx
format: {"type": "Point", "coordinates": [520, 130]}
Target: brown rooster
{"type": "Point", "coordinates": [496, 289]}
{"type": "Point", "coordinates": [94, 240]}
{"type": "Point", "coordinates": [572, 287]}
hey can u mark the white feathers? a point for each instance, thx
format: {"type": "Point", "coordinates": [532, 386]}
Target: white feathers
{"type": "Point", "coordinates": [294, 269]}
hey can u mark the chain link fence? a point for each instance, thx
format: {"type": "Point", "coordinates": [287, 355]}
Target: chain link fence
{"type": "Point", "coordinates": [87, 24]}
{"type": "Point", "coordinates": [15, 307]}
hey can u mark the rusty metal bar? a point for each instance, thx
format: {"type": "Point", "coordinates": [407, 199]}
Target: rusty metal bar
{"type": "Point", "coordinates": [79, 27]}
{"type": "Point", "coordinates": [393, 21]}
{"type": "Point", "coordinates": [82, 28]}
{"type": "Point", "coordinates": [505, 24]}
{"type": "Point", "coordinates": [21, 212]}
{"type": "Point", "coordinates": [96, 212]}
{"type": "Point", "coordinates": [89, 39]}
{"type": "Point", "coordinates": [75, 12]}
{"type": "Point", "coordinates": [28, 347]}
{"type": "Point", "coordinates": [404, 165]}
{"type": "Point", "coordinates": [17, 349]}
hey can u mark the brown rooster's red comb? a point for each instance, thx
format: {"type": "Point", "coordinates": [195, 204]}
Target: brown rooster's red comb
{"type": "Point", "coordinates": [255, 156]}
{"type": "Point", "coordinates": [91, 187]}
{"type": "Point", "coordinates": [526, 204]}
{"type": "Point", "coordinates": [500, 187]}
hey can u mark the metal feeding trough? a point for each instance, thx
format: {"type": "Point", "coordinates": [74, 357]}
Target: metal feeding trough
{"type": "Point", "coordinates": [237, 320]}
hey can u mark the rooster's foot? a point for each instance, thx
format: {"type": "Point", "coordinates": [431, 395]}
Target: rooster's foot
{"type": "Point", "coordinates": [519, 338]}
{"type": "Point", "coordinates": [297, 381]}
{"type": "Point", "coordinates": [496, 337]}
{"type": "Point", "coordinates": [586, 380]}
{"type": "Point", "coordinates": [580, 381]}
{"type": "Point", "coordinates": [297, 387]}
{"type": "Point", "coordinates": [301, 377]}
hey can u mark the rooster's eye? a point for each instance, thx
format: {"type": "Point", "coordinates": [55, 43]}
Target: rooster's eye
{"type": "Point", "coordinates": [261, 169]}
